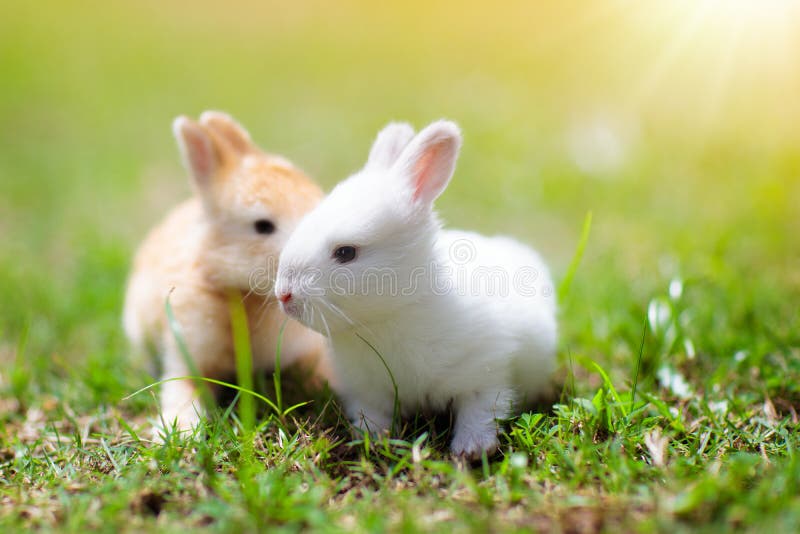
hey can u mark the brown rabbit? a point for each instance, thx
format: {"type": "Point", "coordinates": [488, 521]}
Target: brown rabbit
{"type": "Point", "coordinates": [227, 237]}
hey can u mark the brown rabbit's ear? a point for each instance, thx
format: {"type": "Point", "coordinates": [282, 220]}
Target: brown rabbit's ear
{"type": "Point", "coordinates": [197, 149]}
{"type": "Point", "coordinates": [231, 139]}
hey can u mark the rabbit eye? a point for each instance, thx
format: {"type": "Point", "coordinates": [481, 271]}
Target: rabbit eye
{"type": "Point", "coordinates": [264, 226]}
{"type": "Point", "coordinates": [345, 254]}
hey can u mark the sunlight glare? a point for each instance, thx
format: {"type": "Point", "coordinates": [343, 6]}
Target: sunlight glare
{"type": "Point", "coordinates": [753, 16]}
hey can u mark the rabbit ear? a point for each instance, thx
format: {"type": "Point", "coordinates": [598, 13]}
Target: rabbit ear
{"type": "Point", "coordinates": [429, 160]}
{"type": "Point", "coordinates": [197, 150]}
{"type": "Point", "coordinates": [388, 144]}
{"type": "Point", "coordinates": [229, 134]}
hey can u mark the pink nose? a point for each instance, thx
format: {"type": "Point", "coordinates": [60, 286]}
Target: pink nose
{"type": "Point", "coordinates": [285, 297]}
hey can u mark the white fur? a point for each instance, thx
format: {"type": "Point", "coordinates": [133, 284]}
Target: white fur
{"type": "Point", "coordinates": [482, 351]}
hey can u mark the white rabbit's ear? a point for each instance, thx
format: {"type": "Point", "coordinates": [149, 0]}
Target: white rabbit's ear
{"type": "Point", "coordinates": [229, 135]}
{"type": "Point", "coordinates": [429, 160]}
{"type": "Point", "coordinates": [388, 145]}
{"type": "Point", "coordinates": [197, 150]}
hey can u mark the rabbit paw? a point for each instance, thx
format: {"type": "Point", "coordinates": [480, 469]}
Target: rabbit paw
{"type": "Point", "coordinates": [470, 444]}
{"type": "Point", "coordinates": [376, 422]}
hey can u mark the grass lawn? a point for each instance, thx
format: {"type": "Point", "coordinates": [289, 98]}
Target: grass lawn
{"type": "Point", "coordinates": [678, 129]}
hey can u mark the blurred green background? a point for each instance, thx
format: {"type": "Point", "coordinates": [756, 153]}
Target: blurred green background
{"type": "Point", "coordinates": [676, 123]}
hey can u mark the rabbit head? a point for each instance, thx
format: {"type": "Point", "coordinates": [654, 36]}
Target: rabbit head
{"type": "Point", "coordinates": [252, 201]}
{"type": "Point", "coordinates": [359, 254]}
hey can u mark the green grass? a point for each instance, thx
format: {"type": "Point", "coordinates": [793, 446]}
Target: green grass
{"type": "Point", "coordinates": [680, 329]}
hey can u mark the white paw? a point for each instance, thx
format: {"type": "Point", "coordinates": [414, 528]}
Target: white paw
{"type": "Point", "coordinates": [471, 444]}
{"type": "Point", "coordinates": [375, 428]}
{"type": "Point", "coordinates": [183, 422]}
{"type": "Point", "coordinates": [375, 423]}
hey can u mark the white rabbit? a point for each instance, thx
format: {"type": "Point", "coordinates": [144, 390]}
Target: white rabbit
{"type": "Point", "coordinates": [226, 238]}
{"type": "Point", "coordinates": [455, 316]}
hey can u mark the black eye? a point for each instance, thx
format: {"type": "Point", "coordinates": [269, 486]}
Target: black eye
{"type": "Point", "coordinates": [345, 254]}
{"type": "Point", "coordinates": [263, 226]}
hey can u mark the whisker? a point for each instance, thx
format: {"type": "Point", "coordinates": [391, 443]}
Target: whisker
{"type": "Point", "coordinates": [247, 295]}
{"type": "Point", "coordinates": [336, 310]}
{"type": "Point", "coordinates": [264, 308]}
{"type": "Point", "coordinates": [325, 323]}
{"type": "Point", "coordinates": [351, 321]}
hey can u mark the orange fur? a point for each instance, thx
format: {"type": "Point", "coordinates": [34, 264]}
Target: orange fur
{"type": "Point", "coordinates": [207, 246]}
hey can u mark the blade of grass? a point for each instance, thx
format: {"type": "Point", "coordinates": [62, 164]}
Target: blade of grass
{"type": "Point", "coordinates": [260, 397]}
{"type": "Point", "coordinates": [110, 457]}
{"type": "Point", "coordinates": [124, 424]}
{"type": "Point", "coordinates": [20, 375]}
{"type": "Point", "coordinates": [566, 282]}
{"type": "Point", "coordinates": [396, 408]}
{"type": "Point", "coordinates": [638, 365]}
{"type": "Point", "coordinates": [244, 359]}
{"type": "Point", "coordinates": [293, 407]}
{"type": "Point", "coordinates": [276, 376]}
{"type": "Point", "coordinates": [609, 386]}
